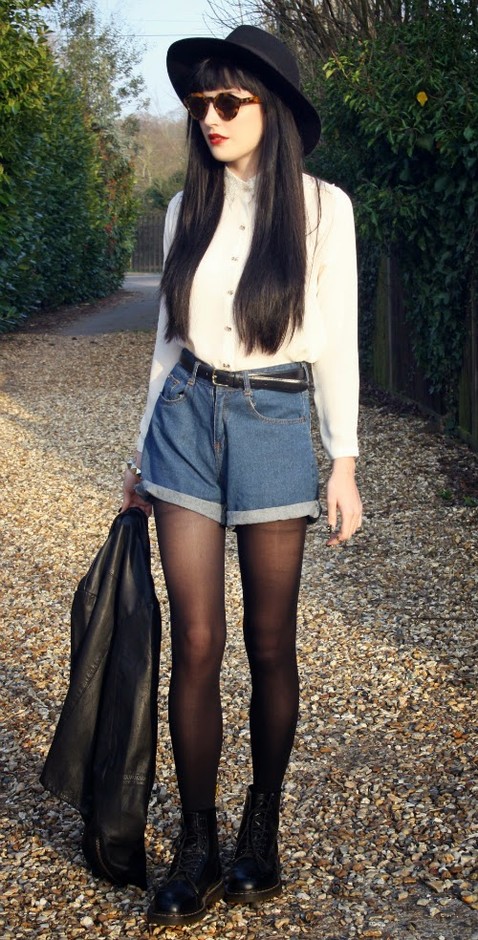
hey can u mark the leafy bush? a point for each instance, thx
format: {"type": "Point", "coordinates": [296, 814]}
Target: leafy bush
{"type": "Point", "coordinates": [401, 134]}
{"type": "Point", "coordinates": [160, 193]}
{"type": "Point", "coordinates": [67, 213]}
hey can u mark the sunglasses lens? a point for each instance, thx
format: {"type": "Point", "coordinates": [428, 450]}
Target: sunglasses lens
{"type": "Point", "coordinates": [226, 106]}
{"type": "Point", "coordinates": [197, 107]}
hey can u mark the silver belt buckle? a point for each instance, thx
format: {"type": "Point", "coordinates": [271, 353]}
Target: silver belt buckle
{"type": "Point", "coordinates": [215, 381]}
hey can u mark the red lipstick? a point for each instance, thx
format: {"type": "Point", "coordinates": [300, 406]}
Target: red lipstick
{"type": "Point", "coordinates": [215, 139]}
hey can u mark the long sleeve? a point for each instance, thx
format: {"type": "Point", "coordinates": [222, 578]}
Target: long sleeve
{"type": "Point", "coordinates": [165, 354]}
{"type": "Point", "coordinates": [336, 372]}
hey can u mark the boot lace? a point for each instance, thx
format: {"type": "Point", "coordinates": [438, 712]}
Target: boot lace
{"type": "Point", "coordinates": [189, 856]}
{"type": "Point", "coordinates": [253, 841]}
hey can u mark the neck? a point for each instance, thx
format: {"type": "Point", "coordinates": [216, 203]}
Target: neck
{"type": "Point", "coordinates": [245, 169]}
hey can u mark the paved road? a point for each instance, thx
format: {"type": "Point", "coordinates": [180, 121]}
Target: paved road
{"type": "Point", "coordinates": [137, 309]}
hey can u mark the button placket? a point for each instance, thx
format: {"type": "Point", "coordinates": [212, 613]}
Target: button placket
{"type": "Point", "coordinates": [235, 269]}
{"type": "Point", "coordinates": [237, 254]}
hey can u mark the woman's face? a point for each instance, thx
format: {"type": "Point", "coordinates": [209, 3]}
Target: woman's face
{"type": "Point", "coordinates": [237, 142]}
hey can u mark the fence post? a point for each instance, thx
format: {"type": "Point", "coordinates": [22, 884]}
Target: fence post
{"type": "Point", "coordinates": [474, 365]}
{"type": "Point", "coordinates": [389, 308]}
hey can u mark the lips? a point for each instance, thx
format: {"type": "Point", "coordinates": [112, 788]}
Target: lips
{"type": "Point", "coordinates": [215, 139]}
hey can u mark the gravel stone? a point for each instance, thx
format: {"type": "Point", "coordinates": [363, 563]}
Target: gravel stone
{"type": "Point", "coordinates": [379, 834]}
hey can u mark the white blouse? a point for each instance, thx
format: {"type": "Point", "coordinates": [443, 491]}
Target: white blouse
{"type": "Point", "coordinates": [328, 337]}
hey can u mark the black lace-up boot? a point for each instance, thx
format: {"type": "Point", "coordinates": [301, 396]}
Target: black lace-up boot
{"type": "Point", "coordinates": [255, 871]}
{"type": "Point", "coordinates": [194, 880]}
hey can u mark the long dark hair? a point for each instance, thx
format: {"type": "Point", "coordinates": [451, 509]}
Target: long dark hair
{"type": "Point", "coordinates": [269, 300]}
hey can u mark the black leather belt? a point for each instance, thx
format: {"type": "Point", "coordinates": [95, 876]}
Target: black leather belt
{"type": "Point", "coordinates": [290, 380]}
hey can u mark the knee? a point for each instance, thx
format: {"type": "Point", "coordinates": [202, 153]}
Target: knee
{"type": "Point", "coordinates": [198, 645]}
{"type": "Point", "coordinates": [269, 654]}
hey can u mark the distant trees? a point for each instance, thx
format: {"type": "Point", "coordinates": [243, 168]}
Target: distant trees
{"type": "Point", "coordinates": [316, 29]}
{"type": "Point", "coordinates": [100, 60]}
{"type": "Point", "coordinates": [160, 158]}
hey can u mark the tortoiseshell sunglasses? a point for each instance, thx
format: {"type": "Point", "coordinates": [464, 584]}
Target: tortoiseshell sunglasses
{"type": "Point", "coordinates": [226, 104]}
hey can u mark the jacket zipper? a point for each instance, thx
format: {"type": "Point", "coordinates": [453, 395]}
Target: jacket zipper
{"type": "Point", "coordinates": [105, 868]}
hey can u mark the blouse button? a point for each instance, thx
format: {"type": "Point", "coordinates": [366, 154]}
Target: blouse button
{"type": "Point", "coordinates": [242, 228]}
{"type": "Point", "coordinates": [226, 365]}
{"type": "Point", "coordinates": [228, 329]}
{"type": "Point", "coordinates": [230, 292]}
{"type": "Point", "coordinates": [234, 258]}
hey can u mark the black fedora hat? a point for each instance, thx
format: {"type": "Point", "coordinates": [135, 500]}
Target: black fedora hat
{"type": "Point", "coordinates": [263, 54]}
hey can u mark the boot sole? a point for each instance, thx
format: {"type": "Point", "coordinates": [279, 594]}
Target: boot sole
{"type": "Point", "coordinates": [216, 893]}
{"type": "Point", "coordinates": [250, 897]}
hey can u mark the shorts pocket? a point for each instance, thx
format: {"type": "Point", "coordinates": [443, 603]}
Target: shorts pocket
{"type": "Point", "coordinates": [175, 388]}
{"type": "Point", "coordinates": [280, 407]}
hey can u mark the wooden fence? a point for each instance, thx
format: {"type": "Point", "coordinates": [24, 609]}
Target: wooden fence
{"type": "Point", "coordinates": [148, 250]}
{"type": "Point", "coordinates": [394, 366]}
{"type": "Point", "coordinates": [468, 390]}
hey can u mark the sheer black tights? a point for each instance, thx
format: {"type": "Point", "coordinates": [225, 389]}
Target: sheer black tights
{"type": "Point", "coordinates": [270, 556]}
{"type": "Point", "coordinates": [192, 555]}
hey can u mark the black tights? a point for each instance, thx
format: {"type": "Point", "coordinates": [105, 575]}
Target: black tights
{"type": "Point", "coordinates": [270, 557]}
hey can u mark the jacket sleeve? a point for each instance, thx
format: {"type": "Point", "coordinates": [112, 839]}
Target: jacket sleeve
{"type": "Point", "coordinates": [165, 354]}
{"type": "Point", "coordinates": [336, 373]}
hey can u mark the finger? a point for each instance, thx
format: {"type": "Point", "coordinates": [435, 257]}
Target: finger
{"type": "Point", "coordinates": [331, 515]}
{"type": "Point", "coordinates": [349, 525]}
{"type": "Point", "coordinates": [142, 504]}
{"type": "Point", "coordinates": [347, 529]}
{"type": "Point", "coordinates": [333, 537]}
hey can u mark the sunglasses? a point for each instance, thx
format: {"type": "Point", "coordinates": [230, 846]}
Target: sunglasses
{"type": "Point", "coordinates": [226, 104]}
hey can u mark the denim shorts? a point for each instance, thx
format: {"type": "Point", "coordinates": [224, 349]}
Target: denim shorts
{"type": "Point", "coordinates": [236, 455]}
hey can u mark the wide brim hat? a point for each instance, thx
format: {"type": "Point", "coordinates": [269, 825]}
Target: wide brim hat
{"type": "Point", "coordinates": [261, 53]}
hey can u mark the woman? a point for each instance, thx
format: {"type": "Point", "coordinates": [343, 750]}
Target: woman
{"type": "Point", "coordinates": [258, 292]}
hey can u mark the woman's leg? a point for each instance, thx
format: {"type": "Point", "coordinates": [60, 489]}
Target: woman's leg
{"type": "Point", "coordinates": [192, 555]}
{"type": "Point", "coordinates": [270, 556]}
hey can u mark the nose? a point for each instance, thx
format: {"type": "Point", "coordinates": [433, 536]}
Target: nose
{"type": "Point", "coordinates": [211, 116]}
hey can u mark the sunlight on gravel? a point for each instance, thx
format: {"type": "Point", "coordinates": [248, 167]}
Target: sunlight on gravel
{"type": "Point", "coordinates": [380, 810]}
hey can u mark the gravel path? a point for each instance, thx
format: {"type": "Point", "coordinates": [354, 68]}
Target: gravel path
{"type": "Point", "coordinates": [380, 816]}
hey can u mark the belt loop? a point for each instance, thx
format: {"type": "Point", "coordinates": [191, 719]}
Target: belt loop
{"type": "Point", "coordinates": [192, 365]}
{"type": "Point", "coordinates": [247, 384]}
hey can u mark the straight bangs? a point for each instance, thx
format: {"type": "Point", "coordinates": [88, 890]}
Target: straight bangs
{"type": "Point", "coordinates": [213, 73]}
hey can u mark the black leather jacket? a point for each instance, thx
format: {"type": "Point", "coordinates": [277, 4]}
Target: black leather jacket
{"type": "Point", "coordinates": [102, 759]}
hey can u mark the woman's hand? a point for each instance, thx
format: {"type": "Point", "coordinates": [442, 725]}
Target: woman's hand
{"type": "Point", "coordinates": [130, 497]}
{"type": "Point", "coordinates": [343, 497]}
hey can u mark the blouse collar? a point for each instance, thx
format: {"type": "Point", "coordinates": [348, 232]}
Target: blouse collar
{"type": "Point", "coordinates": [235, 188]}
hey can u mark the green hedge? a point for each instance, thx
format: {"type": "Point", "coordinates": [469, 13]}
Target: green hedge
{"type": "Point", "coordinates": [401, 134]}
{"type": "Point", "coordinates": [66, 208]}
